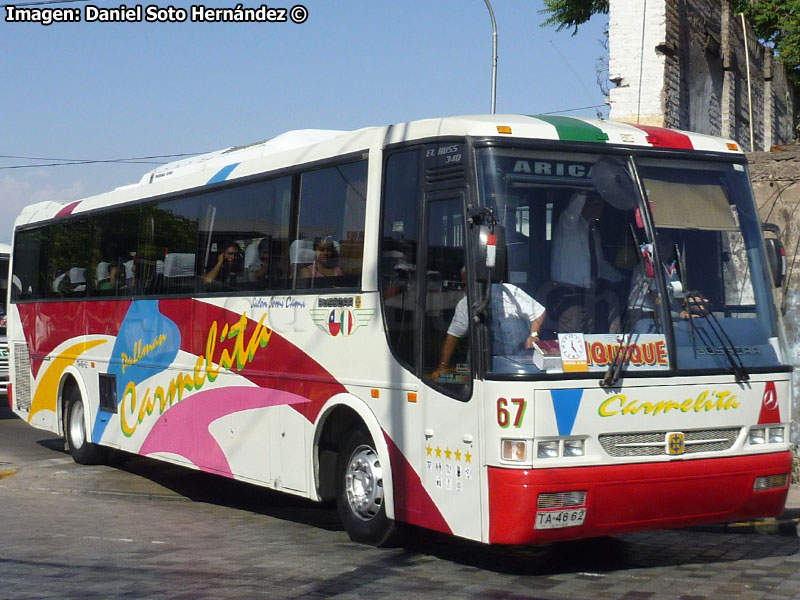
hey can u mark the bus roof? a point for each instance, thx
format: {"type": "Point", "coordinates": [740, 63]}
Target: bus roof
{"type": "Point", "coordinates": [308, 145]}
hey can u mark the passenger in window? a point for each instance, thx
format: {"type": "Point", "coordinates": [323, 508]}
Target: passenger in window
{"type": "Point", "coordinates": [326, 262]}
{"type": "Point", "coordinates": [258, 270]}
{"type": "Point", "coordinates": [71, 282]}
{"type": "Point", "coordinates": [579, 270]}
{"type": "Point", "coordinates": [516, 320]}
{"type": "Point", "coordinates": [228, 268]}
{"type": "Point", "coordinates": [130, 271]}
{"type": "Point", "coordinates": [106, 275]}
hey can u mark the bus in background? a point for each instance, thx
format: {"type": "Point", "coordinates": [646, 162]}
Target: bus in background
{"type": "Point", "coordinates": [5, 254]}
{"type": "Point", "coordinates": [508, 328]}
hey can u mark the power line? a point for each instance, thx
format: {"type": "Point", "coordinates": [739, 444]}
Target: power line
{"type": "Point", "coordinates": [556, 112]}
{"type": "Point", "coordinates": [135, 160]}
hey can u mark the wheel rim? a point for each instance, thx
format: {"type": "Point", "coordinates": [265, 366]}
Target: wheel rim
{"type": "Point", "coordinates": [364, 483]}
{"type": "Point", "coordinates": [76, 430]}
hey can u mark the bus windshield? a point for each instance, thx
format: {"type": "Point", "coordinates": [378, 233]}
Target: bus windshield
{"type": "Point", "coordinates": [710, 249]}
{"type": "Point", "coordinates": [692, 292]}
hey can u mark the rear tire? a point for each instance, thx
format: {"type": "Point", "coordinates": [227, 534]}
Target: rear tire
{"type": "Point", "coordinates": [78, 445]}
{"type": "Point", "coordinates": [359, 492]}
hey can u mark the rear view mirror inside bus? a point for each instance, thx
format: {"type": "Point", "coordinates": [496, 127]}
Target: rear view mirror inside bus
{"type": "Point", "coordinates": [614, 182]}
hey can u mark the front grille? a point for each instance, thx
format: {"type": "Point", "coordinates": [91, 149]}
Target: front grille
{"type": "Point", "coordinates": [22, 377]}
{"type": "Point", "coordinates": [654, 443]}
{"type": "Point", "coordinates": [561, 500]}
{"type": "Point", "coordinates": [445, 174]}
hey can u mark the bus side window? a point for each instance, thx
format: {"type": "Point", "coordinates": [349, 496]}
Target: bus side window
{"type": "Point", "coordinates": [399, 241]}
{"type": "Point", "coordinates": [446, 330]}
{"type": "Point", "coordinates": [68, 257]}
{"type": "Point", "coordinates": [30, 259]}
{"type": "Point", "coordinates": [253, 221]}
{"type": "Point", "coordinates": [113, 245]}
{"type": "Point", "coordinates": [332, 213]}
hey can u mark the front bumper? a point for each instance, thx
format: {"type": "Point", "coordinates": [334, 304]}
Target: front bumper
{"type": "Point", "coordinates": [635, 497]}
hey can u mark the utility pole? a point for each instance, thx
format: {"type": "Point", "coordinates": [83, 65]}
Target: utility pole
{"type": "Point", "coordinates": [494, 54]}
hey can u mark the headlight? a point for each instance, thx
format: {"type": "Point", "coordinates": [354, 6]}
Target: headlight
{"type": "Point", "coordinates": [548, 449]}
{"type": "Point", "coordinates": [573, 448]}
{"type": "Point", "coordinates": [776, 435]}
{"type": "Point", "coordinates": [758, 435]}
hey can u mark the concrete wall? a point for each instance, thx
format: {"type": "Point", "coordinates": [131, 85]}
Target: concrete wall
{"type": "Point", "coordinates": [683, 64]}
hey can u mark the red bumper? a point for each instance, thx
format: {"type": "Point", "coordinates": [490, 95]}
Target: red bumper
{"type": "Point", "coordinates": [636, 497]}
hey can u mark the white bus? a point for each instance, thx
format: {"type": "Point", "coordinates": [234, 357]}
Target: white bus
{"type": "Point", "coordinates": [5, 255]}
{"type": "Point", "coordinates": [394, 318]}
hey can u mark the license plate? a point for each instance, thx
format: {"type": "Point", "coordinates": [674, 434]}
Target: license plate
{"type": "Point", "coordinates": [555, 519]}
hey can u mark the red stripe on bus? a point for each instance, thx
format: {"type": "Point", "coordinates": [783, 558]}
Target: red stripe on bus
{"type": "Point", "coordinates": [665, 138]}
{"type": "Point", "coordinates": [412, 503]}
{"type": "Point", "coordinates": [67, 210]}
{"type": "Point", "coordinates": [49, 324]}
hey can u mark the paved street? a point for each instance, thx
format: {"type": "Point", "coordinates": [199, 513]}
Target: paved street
{"type": "Point", "coordinates": [141, 529]}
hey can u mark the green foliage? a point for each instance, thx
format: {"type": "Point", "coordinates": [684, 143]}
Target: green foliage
{"type": "Point", "coordinates": [571, 13]}
{"type": "Point", "coordinates": [777, 24]}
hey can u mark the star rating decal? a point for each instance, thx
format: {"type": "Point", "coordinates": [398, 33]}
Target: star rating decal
{"type": "Point", "coordinates": [448, 454]}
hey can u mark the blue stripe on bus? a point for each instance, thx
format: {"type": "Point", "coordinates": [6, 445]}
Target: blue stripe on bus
{"type": "Point", "coordinates": [147, 342]}
{"type": "Point", "coordinates": [223, 173]}
{"type": "Point", "coordinates": [566, 404]}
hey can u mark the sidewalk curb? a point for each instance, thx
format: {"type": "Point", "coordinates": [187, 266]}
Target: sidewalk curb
{"type": "Point", "coordinates": [787, 524]}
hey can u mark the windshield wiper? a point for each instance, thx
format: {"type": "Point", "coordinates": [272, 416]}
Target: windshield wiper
{"type": "Point", "coordinates": [696, 304]}
{"type": "Point", "coordinates": [614, 370]}
{"type": "Point", "coordinates": [727, 345]}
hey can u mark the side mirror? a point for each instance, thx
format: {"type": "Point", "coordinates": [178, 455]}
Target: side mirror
{"type": "Point", "coordinates": [776, 253]}
{"type": "Point", "coordinates": [491, 253]}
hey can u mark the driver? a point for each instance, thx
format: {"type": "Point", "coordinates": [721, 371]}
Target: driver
{"type": "Point", "coordinates": [516, 320]}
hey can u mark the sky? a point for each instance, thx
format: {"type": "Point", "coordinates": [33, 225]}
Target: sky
{"type": "Point", "coordinates": [103, 91]}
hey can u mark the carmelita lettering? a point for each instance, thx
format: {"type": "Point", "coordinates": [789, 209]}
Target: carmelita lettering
{"type": "Point", "coordinates": [43, 16]}
{"type": "Point", "coordinates": [705, 402]}
{"type": "Point", "coordinates": [135, 408]}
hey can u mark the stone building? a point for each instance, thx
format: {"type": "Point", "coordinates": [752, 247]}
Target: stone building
{"type": "Point", "coordinates": [694, 65]}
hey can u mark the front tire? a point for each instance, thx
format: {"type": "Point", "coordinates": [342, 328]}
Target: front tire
{"type": "Point", "coordinates": [359, 492]}
{"type": "Point", "coordinates": [78, 445]}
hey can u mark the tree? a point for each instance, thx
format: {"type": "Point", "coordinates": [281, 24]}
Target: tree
{"type": "Point", "coordinates": [777, 24]}
{"type": "Point", "coordinates": [571, 13]}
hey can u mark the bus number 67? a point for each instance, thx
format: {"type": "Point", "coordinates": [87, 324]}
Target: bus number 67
{"type": "Point", "coordinates": [504, 413]}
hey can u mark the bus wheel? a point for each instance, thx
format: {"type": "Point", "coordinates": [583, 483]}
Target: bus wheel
{"type": "Point", "coordinates": [82, 450]}
{"type": "Point", "coordinates": [359, 492]}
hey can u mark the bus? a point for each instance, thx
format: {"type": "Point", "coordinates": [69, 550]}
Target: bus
{"type": "Point", "coordinates": [5, 256]}
{"type": "Point", "coordinates": [285, 314]}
